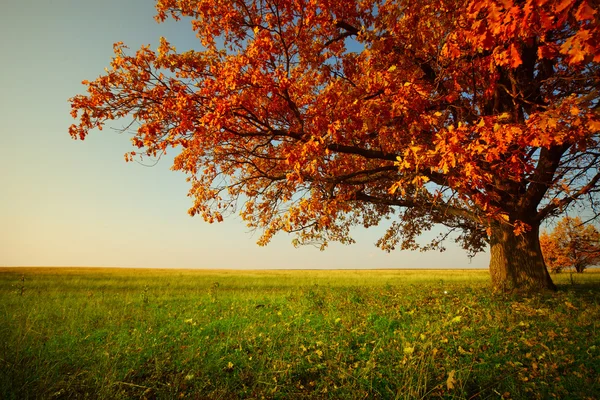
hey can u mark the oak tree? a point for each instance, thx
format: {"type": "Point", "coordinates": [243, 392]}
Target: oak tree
{"type": "Point", "coordinates": [312, 116]}
{"type": "Point", "coordinates": [571, 244]}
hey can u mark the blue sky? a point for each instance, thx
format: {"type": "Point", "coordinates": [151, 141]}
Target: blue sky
{"type": "Point", "coordinates": [73, 203]}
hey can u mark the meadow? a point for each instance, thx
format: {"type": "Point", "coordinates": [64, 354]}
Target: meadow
{"type": "Point", "coordinates": [69, 333]}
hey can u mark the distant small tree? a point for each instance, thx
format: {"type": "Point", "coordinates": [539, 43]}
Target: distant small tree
{"type": "Point", "coordinates": [571, 244]}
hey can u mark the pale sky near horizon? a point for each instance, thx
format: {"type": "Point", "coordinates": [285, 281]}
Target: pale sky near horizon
{"type": "Point", "coordinates": [73, 203]}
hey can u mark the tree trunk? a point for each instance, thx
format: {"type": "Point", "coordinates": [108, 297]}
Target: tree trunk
{"type": "Point", "coordinates": [516, 262]}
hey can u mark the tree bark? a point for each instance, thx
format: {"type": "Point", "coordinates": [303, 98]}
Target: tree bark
{"type": "Point", "coordinates": [516, 262]}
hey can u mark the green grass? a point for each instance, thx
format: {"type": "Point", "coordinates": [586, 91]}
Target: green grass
{"type": "Point", "coordinates": [119, 333]}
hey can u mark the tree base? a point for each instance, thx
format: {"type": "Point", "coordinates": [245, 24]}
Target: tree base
{"type": "Point", "coordinates": [516, 262]}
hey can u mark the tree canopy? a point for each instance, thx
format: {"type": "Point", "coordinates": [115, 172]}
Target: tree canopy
{"type": "Point", "coordinates": [571, 244]}
{"type": "Point", "coordinates": [312, 116]}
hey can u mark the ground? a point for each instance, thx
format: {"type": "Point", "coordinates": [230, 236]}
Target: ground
{"type": "Point", "coordinates": [119, 333]}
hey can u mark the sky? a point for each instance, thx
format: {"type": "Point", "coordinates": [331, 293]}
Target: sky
{"type": "Point", "coordinates": [72, 203]}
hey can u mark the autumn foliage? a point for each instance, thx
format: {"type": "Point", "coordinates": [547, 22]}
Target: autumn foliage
{"type": "Point", "coordinates": [571, 244]}
{"type": "Point", "coordinates": [312, 116]}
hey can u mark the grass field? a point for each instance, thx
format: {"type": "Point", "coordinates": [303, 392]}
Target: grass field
{"type": "Point", "coordinates": [71, 333]}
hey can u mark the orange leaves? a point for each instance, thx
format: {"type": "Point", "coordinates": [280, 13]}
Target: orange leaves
{"type": "Point", "coordinates": [319, 115]}
{"type": "Point", "coordinates": [585, 12]}
{"type": "Point", "coordinates": [164, 48]}
{"type": "Point", "coordinates": [520, 227]}
{"type": "Point", "coordinates": [585, 43]}
{"type": "Point", "coordinates": [515, 57]}
{"type": "Point", "coordinates": [571, 245]}
{"type": "Point", "coordinates": [594, 125]}
{"type": "Point", "coordinates": [580, 45]}
{"type": "Point", "coordinates": [511, 25]}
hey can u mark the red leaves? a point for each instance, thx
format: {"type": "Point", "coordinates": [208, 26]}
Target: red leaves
{"type": "Point", "coordinates": [548, 51]}
{"type": "Point", "coordinates": [563, 5]}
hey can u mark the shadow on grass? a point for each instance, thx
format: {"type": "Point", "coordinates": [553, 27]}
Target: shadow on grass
{"type": "Point", "coordinates": [581, 289]}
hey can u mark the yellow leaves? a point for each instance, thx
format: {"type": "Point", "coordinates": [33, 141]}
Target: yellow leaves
{"type": "Point", "coordinates": [164, 47]}
{"type": "Point", "coordinates": [408, 350]}
{"type": "Point", "coordinates": [570, 305]}
{"type": "Point", "coordinates": [456, 319]}
{"type": "Point", "coordinates": [395, 187]}
{"type": "Point", "coordinates": [415, 149]}
{"type": "Point", "coordinates": [505, 116]}
{"type": "Point", "coordinates": [419, 180]}
{"type": "Point", "coordinates": [445, 167]}
{"type": "Point", "coordinates": [392, 68]}
{"type": "Point", "coordinates": [450, 380]}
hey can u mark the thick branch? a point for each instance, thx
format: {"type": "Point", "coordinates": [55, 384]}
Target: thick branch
{"type": "Point", "coordinates": [442, 208]}
{"type": "Point", "coordinates": [366, 153]}
{"type": "Point", "coordinates": [375, 171]}
{"type": "Point", "coordinates": [559, 204]}
{"type": "Point", "coordinates": [542, 177]}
